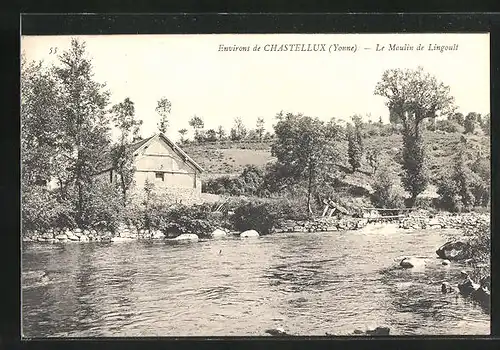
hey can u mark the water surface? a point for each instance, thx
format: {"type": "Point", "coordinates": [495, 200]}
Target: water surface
{"type": "Point", "coordinates": [307, 283]}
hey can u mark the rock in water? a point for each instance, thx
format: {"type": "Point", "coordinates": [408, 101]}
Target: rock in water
{"type": "Point", "coordinates": [121, 239]}
{"type": "Point", "coordinates": [453, 251]}
{"type": "Point", "coordinates": [187, 237]}
{"type": "Point", "coordinates": [446, 288]}
{"type": "Point", "coordinates": [409, 263]}
{"type": "Point", "coordinates": [276, 332]}
{"type": "Point", "coordinates": [249, 233]}
{"type": "Point", "coordinates": [218, 233]}
{"type": "Point", "coordinates": [445, 262]}
{"type": "Point", "coordinates": [379, 331]}
{"type": "Point", "coordinates": [158, 234]}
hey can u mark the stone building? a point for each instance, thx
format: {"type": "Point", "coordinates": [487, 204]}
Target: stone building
{"type": "Point", "coordinates": [160, 161]}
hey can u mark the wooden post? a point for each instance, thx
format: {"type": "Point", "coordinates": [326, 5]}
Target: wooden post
{"type": "Point", "coordinates": [325, 210]}
{"type": "Point", "coordinates": [331, 212]}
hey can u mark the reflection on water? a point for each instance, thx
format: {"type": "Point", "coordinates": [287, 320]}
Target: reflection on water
{"type": "Point", "coordinates": [307, 283]}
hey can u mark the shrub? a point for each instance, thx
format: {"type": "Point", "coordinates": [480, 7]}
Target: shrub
{"type": "Point", "coordinates": [256, 215]}
{"type": "Point", "coordinates": [40, 210]}
{"type": "Point", "coordinates": [448, 126]}
{"type": "Point", "coordinates": [387, 193]}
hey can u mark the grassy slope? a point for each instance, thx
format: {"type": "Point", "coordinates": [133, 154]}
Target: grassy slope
{"type": "Point", "coordinates": [229, 159]}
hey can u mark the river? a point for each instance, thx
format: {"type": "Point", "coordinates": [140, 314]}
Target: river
{"type": "Point", "coordinates": [306, 283]}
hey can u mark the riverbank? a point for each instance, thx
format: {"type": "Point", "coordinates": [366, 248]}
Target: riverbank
{"type": "Point", "coordinates": [418, 221]}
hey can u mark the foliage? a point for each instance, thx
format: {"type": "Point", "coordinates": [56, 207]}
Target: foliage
{"type": "Point", "coordinates": [415, 173]}
{"type": "Point", "coordinates": [163, 108]}
{"type": "Point", "coordinates": [256, 215]}
{"type": "Point", "coordinates": [211, 135]}
{"type": "Point", "coordinates": [355, 145]}
{"type": "Point", "coordinates": [449, 126]}
{"type": "Point", "coordinates": [373, 158]}
{"type": "Point", "coordinates": [413, 96]}
{"type": "Point", "coordinates": [307, 148]}
{"type": "Point", "coordinates": [464, 186]}
{"type": "Point", "coordinates": [221, 133]}
{"type": "Point", "coordinates": [385, 190]}
{"type": "Point", "coordinates": [197, 124]}
{"type": "Point", "coordinates": [457, 118]}
{"type": "Point", "coordinates": [121, 154]}
{"type": "Point", "coordinates": [183, 133]}
{"type": "Point", "coordinates": [470, 122]}
{"type": "Point", "coordinates": [260, 128]}
{"type": "Point", "coordinates": [486, 124]}
{"type": "Point", "coordinates": [41, 210]}
{"type": "Point", "coordinates": [249, 182]}
{"type": "Point", "coordinates": [239, 131]}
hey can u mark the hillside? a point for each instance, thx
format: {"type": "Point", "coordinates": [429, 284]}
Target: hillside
{"type": "Point", "coordinates": [230, 158]}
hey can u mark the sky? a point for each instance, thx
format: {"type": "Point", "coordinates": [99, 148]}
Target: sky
{"type": "Point", "coordinates": [218, 86]}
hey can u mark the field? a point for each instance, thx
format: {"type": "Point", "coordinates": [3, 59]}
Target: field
{"type": "Point", "coordinates": [230, 158]}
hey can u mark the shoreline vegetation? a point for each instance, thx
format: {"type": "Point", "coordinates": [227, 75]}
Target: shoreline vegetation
{"type": "Point", "coordinates": [428, 158]}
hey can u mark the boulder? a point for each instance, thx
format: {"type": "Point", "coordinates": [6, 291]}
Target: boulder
{"type": "Point", "coordinates": [277, 332]}
{"type": "Point", "coordinates": [73, 237]}
{"type": "Point", "coordinates": [78, 230]}
{"type": "Point", "coordinates": [84, 238]}
{"type": "Point", "coordinates": [379, 331]}
{"type": "Point", "coordinates": [249, 234]}
{"type": "Point", "coordinates": [121, 239]}
{"type": "Point", "coordinates": [186, 237]}
{"type": "Point", "coordinates": [158, 235]}
{"type": "Point", "coordinates": [408, 263]}
{"type": "Point", "coordinates": [453, 251]}
{"type": "Point", "coordinates": [482, 296]}
{"type": "Point", "coordinates": [218, 233]}
{"type": "Point", "coordinates": [445, 262]}
{"type": "Point", "coordinates": [446, 288]}
{"type": "Point", "coordinates": [467, 287]}
{"type": "Point", "coordinates": [62, 237]}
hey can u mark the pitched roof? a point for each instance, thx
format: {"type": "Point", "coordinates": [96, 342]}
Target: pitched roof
{"type": "Point", "coordinates": [134, 147]}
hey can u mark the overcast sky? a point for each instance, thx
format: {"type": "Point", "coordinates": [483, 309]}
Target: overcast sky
{"type": "Point", "coordinates": [219, 85]}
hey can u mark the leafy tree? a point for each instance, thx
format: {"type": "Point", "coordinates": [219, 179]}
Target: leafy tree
{"type": "Point", "coordinates": [355, 144]}
{"type": "Point", "coordinates": [40, 126]}
{"type": "Point", "coordinates": [211, 135]}
{"type": "Point", "coordinates": [373, 158]}
{"type": "Point", "coordinates": [306, 147]}
{"type": "Point", "coordinates": [123, 159]}
{"type": "Point", "coordinates": [412, 96]}
{"type": "Point", "coordinates": [239, 131]}
{"type": "Point", "coordinates": [183, 133]}
{"type": "Point", "coordinates": [457, 118]}
{"type": "Point", "coordinates": [486, 126]}
{"type": "Point", "coordinates": [163, 108]}
{"type": "Point", "coordinates": [82, 114]}
{"type": "Point", "coordinates": [221, 133]}
{"type": "Point", "coordinates": [385, 192]}
{"type": "Point", "coordinates": [197, 124]}
{"type": "Point", "coordinates": [470, 122]}
{"type": "Point", "coordinates": [260, 128]}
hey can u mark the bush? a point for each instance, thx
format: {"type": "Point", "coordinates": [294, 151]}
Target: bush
{"type": "Point", "coordinates": [387, 193]}
{"type": "Point", "coordinates": [256, 215]}
{"type": "Point", "coordinates": [41, 210]}
{"type": "Point", "coordinates": [448, 126]}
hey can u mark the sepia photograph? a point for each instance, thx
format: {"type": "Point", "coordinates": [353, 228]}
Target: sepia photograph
{"type": "Point", "coordinates": [180, 185]}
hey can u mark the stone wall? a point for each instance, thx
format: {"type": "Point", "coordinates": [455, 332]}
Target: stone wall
{"type": "Point", "coordinates": [441, 221]}
{"type": "Point", "coordinates": [320, 225]}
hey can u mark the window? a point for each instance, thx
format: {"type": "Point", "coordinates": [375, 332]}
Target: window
{"type": "Point", "coordinates": [159, 177]}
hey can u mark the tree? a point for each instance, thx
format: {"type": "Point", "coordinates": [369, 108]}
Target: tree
{"type": "Point", "coordinates": [239, 131]}
{"type": "Point", "coordinates": [260, 128]}
{"type": "Point", "coordinates": [40, 136]}
{"type": "Point", "coordinates": [183, 133]}
{"type": "Point", "coordinates": [412, 96]}
{"type": "Point", "coordinates": [457, 118]}
{"type": "Point", "coordinates": [385, 193]}
{"type": "Point", "coordinates": [211, 135]}
{"type": "Point", "coordinates": [306, 148]}
{"type": "Point", "coordinates": [470, 122]}
{"type": "Point", "coordinates": [84, 132]}
{"type": "Point", "coordinates": [163, 108]}
{"type": "Point", "coordinates": [221, 133]}
{"type": "Point", "coordinates": [197, 124]}
{"type": "Point", "coordinates": [123, 159]}
{"type": "Point", "coordinates": [486, 126]}
{"type": "Point", "coordinates": [355, 143]}
{"type": "Point", "coordinates": [373, 158]}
